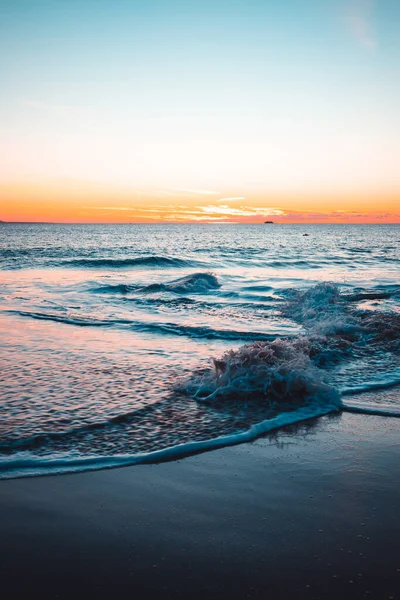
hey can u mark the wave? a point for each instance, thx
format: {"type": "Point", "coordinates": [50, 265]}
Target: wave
{"type": "Point", "coordinates": [192, 331]}
{"type": "Point", "coordinates": [131, 293]}
{"type": "Point", "coordinates": [116, 288]}
{"type": "Point", "coordinates": [24, 466]}
{"type": "Point", "coordinates": [120, 263]}
{"type": "Point", "coordinates": [67, 320]}
{"type": "Point", "coordinates": [300, 369]}
{"type": "Point", "coordinates": [292, 376]}
{"type": "Point", "coordinates": [195, 283]}
{"type": "Point", "coordinates": [279, 371]}
{"type": "Point", "coordinates": [332, 328]}
{"type": "Point", "coordinates": [324, 310]}
{"type": "Point", "coordinates": [204, 332]}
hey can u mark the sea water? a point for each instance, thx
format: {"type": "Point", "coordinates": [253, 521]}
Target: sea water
{"type": "Point", "coordinates": [123, 344]}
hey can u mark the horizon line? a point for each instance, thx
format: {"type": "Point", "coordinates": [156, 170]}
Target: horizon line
{"type": "Point", "coordinates": [195, 223]}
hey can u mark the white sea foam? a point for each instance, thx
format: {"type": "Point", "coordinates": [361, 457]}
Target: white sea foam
{"type": "Point", "coordinates": [299, 370]}
{"type": "Point", "coordinates": [280, 371]}
{"type": "Point", "coordinates": [27, 466]}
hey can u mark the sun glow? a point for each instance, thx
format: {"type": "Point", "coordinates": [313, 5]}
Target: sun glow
{"type": "Point", "coordinates": [91, 203]}
{"type": "Point", "coordinates": [150, 114]}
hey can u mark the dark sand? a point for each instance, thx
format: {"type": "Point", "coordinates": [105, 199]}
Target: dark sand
{"type": "Point", "coordinates": [309, 513]}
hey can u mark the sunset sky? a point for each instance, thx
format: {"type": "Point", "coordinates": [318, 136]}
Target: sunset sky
{"type": "Point", "coordinates": [211, 111]}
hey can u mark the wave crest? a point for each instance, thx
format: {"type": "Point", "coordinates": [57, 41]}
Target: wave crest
{"type": "Point", "coordinates": [195, 283]}
{"type": "Point", "coordinates": [297, 370]}
{"type": "Point", "coordinates": [323, 310]}
{"type": "Point", "coordinates": [140, 261]}
{"type": "Point", "coordinates": [280, 372]}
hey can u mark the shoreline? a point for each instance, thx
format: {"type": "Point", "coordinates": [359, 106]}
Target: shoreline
{"type": "Point", "coordinates": [59, 465]}
{"type": "Point", "coordinates": [307, 511]}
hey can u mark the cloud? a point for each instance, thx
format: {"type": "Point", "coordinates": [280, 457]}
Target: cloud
{"type": "Point", "coordinates": [223, 213]}
{"type": "Point", "coordinates": [210, 212]}
{"type": "Point", "coordinates": [358, 18]}
{"type": "Point", "coordinates": [241, 211]}
{"type": "Point", "coordinates": [192, 217]}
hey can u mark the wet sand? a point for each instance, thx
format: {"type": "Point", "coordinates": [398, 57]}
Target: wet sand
{"type": "Point", "coordinates": [311, 512]}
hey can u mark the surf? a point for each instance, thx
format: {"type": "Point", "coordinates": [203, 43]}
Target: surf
{"type": "Point", "coordinates": [232, 330]}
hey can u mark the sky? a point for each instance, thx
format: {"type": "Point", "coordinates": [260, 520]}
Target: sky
{"type": "Point", "coordinates": [211, 111]}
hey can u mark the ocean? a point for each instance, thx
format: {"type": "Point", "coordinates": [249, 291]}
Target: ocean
{"type": "Point", "coordinates": [125, 344]}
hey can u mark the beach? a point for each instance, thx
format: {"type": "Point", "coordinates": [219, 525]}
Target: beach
{"type": "Point", "coordinates": [199, 300]}
{"type": "Point", "coordinates": [308, 512]}
{"type": "Point", "coordinates": [127, 348]}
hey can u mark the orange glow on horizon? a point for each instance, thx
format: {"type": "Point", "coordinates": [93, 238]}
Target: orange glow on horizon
{"type": "Point", "coordinates": [80, 202]}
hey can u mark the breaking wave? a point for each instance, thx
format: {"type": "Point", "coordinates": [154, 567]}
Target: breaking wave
{"type": "Point", "coordinates": [296, 378]}
{"type": "Point", "coordinates": [280, 371]}
{"type": "Point", "coordinates": [293, 371]}
{"type": "Point", "coordinates": [124, 374]}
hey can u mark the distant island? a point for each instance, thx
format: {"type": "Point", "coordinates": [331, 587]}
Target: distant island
{"type": "Point", "coordinates": [269, 222]}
